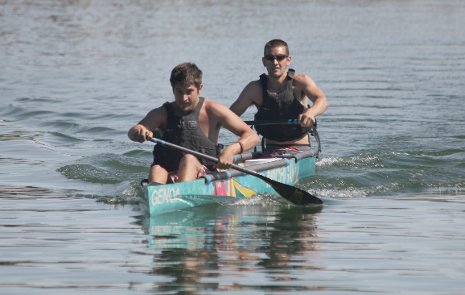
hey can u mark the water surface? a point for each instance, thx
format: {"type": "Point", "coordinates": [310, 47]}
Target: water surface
{"type": "Point", "coordinates": [75, 75]}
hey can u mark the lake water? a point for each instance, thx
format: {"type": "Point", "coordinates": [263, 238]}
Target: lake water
{"type": "Point", "coordinates": [76, 74]}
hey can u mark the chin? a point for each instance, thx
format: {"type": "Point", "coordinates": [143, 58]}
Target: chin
{"type": "Point", "coordinates": [277, 74]}
{"type": "Point", "coordinates": [187, 109]}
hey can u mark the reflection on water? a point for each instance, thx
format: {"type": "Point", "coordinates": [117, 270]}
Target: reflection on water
{"type": "Point", "coordinates": [194, 247]}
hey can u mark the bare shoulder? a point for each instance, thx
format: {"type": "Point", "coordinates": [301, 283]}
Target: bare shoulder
{"type": "Point", "coordinates": [254, 87]}
{"type": "Point", "coordinates": [157, 112]}
{"type": "Point", "coordinates": [303, 80]}
{"type": "Point", "coordinates": [303, 83]}
{"type": "Point", "coordinates": [155, 118]}
{"type": "Point", "coordinates": [214, 107]}
{"type": "Point", "coordinates": [218, 114]}
{"type": "Point", "coordinates": [252, 93]}
{"type": "Point", "coordinates": [219, 111]}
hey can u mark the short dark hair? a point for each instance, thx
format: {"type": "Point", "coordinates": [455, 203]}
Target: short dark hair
{"type": "Point", "coordinates": [186, 73]}
{"type": "Point", "coordinates": [275, 43]}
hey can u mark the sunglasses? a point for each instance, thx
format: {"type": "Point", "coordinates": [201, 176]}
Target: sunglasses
{"type": "Point", "coordinates": [271, 57]}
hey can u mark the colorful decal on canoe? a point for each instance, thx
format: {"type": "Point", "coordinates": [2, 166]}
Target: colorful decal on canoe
{"type": "Point", "coordinates": [241, 190]}
{"type": "Point", "coordinates": [224, 188]}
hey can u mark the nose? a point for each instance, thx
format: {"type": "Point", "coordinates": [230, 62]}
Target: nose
{"type": "Point", "coordinates": [185, 97]}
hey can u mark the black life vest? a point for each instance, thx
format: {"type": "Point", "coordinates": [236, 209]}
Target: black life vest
{"type": "Point", "coordinates": [184, 131]}
{"type": "Point", "coordinates": [280, 106]}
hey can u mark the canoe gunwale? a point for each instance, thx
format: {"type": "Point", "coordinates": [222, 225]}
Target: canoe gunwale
{"type": "Point", "coordinates": [213, 176]}
{"type": "Point", "coordinates": [282, 162]}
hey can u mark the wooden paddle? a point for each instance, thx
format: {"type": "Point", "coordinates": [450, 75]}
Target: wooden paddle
{"type": "Point", "coordinates": [291, 193]}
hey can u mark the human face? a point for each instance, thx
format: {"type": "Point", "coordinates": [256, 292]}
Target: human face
{"type": "Point", "coordinates": [186, 97]}
{"type": "Point", "coordinates": [276, 61]}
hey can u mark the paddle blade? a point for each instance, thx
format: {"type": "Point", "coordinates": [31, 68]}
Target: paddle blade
{"type": "Point", "coordinates": [294, 194]}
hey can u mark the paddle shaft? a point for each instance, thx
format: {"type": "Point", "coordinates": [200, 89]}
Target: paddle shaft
{"type": "Point", "coordinates": [292, 194]}
{"type": "Point", "coordinates": [205, 156]}
{"type": "Point", "coordinates": [273, 122]}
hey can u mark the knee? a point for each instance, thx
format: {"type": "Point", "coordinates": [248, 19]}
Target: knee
{"type": "Point", "coordinates": [189, 160]}
{"type": "Point", "coordinates": [158, 174]}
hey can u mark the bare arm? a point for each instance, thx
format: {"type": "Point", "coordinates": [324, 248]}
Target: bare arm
{"type": "Point", "coordinates": [250, 95]}
{"type": "Point", "coordinates": [143, 130]}
{"type": "Point", "coordinates": [247, 137]}
{"type": "Point", "coordinates": [316, 95]}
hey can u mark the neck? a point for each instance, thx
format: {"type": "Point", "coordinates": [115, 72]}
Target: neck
{"type": "Point", "coordinates": [182, 112]}
{"type": "Point", "coordinates": [277, 83]}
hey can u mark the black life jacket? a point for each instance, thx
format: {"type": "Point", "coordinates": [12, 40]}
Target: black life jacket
{"type": "Point", "coordinates": [280, 106]}
{"type": "Point", "coordinates": [184, 131]}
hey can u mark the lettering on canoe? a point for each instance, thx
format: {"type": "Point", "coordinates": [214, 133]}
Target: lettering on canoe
{"type": "Point", "coordinates": [164, 195]}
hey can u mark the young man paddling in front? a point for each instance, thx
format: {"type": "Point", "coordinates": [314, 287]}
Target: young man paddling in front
{"type": "Point", "coordinates": [193, 122]}
{"type": "Point", "coordinates": [280, 95]}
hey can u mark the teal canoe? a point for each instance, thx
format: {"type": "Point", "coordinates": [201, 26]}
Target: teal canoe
{"type": "Point", "coordinates": [231, 186]}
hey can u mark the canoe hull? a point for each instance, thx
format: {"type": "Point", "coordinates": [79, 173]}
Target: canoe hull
{"type": "Point", "coordinates": [232, 186]}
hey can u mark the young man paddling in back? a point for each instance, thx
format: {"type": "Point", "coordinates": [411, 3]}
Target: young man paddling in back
{"type": "Point", "coordinates": [280, 95]}
{"type": "Point", "coordinates": [193, 122]}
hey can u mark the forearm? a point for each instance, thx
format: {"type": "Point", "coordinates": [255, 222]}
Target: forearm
{"type": "Point", "coordinates": [308, 117]}
{"type": "Point", "coordinates": [315, 94]}
{"type": "Point", "coordinates": [247, 141]}
{"type": "Point", "coordinates": [320, 105]}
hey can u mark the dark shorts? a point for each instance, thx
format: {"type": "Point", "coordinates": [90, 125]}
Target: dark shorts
{"type": "Point", "coordinates": [166, 158]}
{"type": "Point", "coordinates": [169, 159]}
